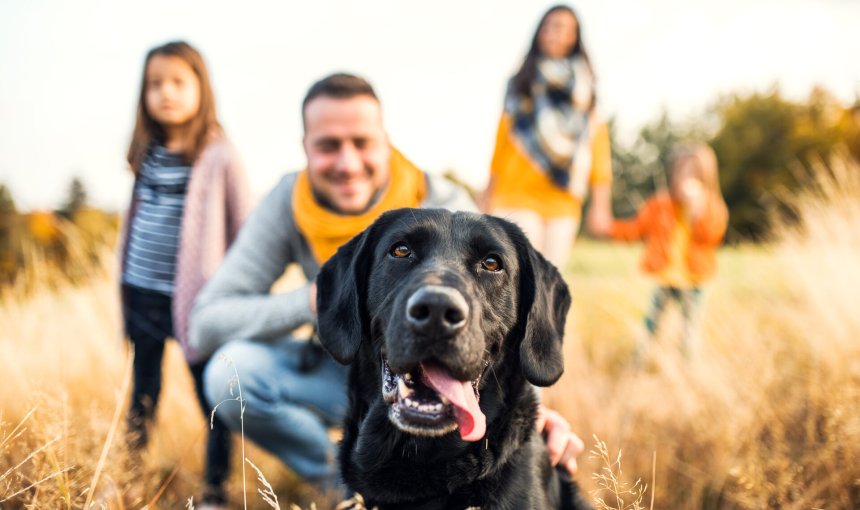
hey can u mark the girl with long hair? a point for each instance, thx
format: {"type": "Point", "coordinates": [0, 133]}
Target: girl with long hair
{"type": "Point", "coordinates": [189, 199]}
{"type": "Point", "coordinates": [549, 147]}
{"type": "Point", "coordinates": [682, 228]}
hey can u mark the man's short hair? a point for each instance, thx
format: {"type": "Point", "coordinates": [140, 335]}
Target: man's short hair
{"type": "Point", "coordinates": [338, 86]}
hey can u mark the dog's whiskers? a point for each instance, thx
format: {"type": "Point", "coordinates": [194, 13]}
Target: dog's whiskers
{"type": "Point", "coordinates": [493, 371]}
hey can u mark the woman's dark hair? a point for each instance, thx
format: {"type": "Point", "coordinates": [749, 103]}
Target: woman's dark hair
{"type": "Point", "coordinates": [522, 81]}
{"type": "Point", "coordinates": [203, 126]}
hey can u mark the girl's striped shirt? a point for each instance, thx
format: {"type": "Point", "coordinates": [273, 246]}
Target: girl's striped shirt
{"type": "Point", "coordinates": [154, 231]}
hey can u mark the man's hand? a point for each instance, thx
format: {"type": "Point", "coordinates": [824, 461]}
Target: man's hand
{"type": "Point", "coordinates": [563, 445]}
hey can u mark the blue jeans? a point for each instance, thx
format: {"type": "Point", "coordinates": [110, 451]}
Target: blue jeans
{"type": "Point", "coordinates": [288, 408]}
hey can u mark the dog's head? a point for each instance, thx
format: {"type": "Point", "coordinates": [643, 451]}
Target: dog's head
{"type": "Point", "coordinates": [438, 298]}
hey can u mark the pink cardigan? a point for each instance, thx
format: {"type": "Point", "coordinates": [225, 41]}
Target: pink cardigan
{"type": "Point", "coordinates": [217, 201]}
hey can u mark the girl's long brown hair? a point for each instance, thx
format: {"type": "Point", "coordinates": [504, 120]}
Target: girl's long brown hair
{"type": "Point", "coordinates": [522, 81]}
{"type": "Point", "coordinates": [203, 126]}
{"type": "Point", "coordinates": [708, 169]}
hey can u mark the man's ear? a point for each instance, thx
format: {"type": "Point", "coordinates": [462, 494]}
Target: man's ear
{"type": "Point", "coordinates": [544, 300]}
{"type": "Point", "coordinates": [342, 321]}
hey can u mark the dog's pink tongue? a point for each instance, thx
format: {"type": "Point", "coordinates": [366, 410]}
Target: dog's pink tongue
{"type": "Point", "coordinates": [467, 412]}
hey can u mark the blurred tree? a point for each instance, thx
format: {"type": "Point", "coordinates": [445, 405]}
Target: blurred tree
{"type": "Point", "coordinates": [765, 145]}
{"type": "Point", "coordinates": [8, 236]}
{"type": "Point", "coordinates": [640, 170]}
{"type": "Point", "coordinates": [849, 128]}
{"type": "Point", "coordinates": [40, 248]}
{"type": "Point", "coordinates": [7, 203]}
{"type": "Point", "coordinates": [76, 198]}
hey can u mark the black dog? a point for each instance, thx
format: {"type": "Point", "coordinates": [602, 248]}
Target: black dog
{"type": "Point", "coordinates": [447, 319]}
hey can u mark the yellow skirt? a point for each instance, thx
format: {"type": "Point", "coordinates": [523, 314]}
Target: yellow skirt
{"type": "Point", "coordinates": [516, 181]}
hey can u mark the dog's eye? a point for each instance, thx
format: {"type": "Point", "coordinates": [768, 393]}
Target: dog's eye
{"type": "Point", "coordinates": [492, 263]}
{"type": "Point", "coordinates": [400, 250]}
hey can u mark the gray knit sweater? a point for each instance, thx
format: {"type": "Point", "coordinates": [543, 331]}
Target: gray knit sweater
{"type": "Point", "coordinates": [236, 303]}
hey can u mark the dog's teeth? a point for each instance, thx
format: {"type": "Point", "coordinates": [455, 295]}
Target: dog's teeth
{"type": "Point", "coordinates": [444, 399]}
{"type": "Point", "coordinates": [403, 389]}
{"type": "Point", "coordinates": [407, 376]}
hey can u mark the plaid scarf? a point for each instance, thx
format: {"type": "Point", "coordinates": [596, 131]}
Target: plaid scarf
{"type": "Point", "coordinates": [552, 124]}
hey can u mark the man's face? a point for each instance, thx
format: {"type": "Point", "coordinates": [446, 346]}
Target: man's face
{"type": "Point", "coordinates": [347, 151]}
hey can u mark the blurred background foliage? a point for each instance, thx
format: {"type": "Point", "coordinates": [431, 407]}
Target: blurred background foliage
{"type": "Point", "coordinates": [766, 146]}
{"type": "Point", "coordinates": [68, 244]}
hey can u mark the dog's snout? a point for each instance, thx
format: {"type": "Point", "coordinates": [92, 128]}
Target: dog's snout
{"type": "Point", "coordinates": [437, 310]}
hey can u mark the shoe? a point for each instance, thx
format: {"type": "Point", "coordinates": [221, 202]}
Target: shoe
{"type": "Point", "coordinates": [213, 498]}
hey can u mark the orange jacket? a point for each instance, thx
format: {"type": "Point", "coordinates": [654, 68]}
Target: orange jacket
{"type": "Point", "coordinates": [654, 223]}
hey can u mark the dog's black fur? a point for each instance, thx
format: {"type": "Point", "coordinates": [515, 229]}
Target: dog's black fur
{"type": "Point", "coordinates": [509, 338]}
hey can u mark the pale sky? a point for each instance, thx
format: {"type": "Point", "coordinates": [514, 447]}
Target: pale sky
{"type": "Point", "coordinates": [70, 72]}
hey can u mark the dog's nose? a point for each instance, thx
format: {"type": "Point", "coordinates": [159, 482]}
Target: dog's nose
{"type": "Point", "coordinates": [435, 310]}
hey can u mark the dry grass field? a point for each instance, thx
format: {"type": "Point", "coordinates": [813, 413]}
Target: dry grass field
{"type": "Point", "coordinates": [766, 416]}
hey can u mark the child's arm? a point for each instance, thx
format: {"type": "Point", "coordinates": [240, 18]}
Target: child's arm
{"type": "Point", "coordinates": [633, 229]}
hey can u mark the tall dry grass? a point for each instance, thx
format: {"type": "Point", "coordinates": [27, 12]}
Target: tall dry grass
{"type": "Point", "coordinates": [64, 364]}
{"type": "Point", "coordinates": [767, 416]}
{"type": "Point", "coordinates": [43, 250]}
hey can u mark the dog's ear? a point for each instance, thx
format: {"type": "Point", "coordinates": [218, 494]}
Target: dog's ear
{"type": "Point", "coordinates": [342, 321]}
{"type": "Point", "coordinates": [544, 301]}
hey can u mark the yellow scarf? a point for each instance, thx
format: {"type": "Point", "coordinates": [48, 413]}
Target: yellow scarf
{"type": "Point", "coordinates": [325, 230]}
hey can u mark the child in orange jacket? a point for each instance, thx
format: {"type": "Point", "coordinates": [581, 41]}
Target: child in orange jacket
{"type": "Point", "coordinates": [682, 229]}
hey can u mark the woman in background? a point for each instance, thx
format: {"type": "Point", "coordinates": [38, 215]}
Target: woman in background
{"type": "Point", "coordinates": [549, 146]}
